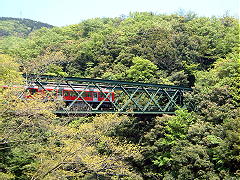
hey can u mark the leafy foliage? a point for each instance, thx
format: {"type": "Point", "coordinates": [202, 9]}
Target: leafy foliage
{"type": "Point", "coordinates": [141, 70]}
{"type": "Point", "coordinates": [180, 49]}
{"type": "Point", "coordinates": [9, 71]}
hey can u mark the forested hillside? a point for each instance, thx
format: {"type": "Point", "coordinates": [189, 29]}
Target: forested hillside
{"type": "Point", "coordinates": [19, 27]}
{"type": "Point", "coordinates": [192, 51]}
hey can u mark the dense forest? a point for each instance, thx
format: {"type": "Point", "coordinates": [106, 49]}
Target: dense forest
{"type": "Point", "coordinates": [186, 50]}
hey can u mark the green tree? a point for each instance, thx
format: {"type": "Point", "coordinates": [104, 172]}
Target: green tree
{"type": "Point", "coordinates": [88, 149]}
{"type": "Point", "coordinates": [142, 70]}
{"type": "Point", "coordinates": [9, 71]}
{"type": "Point", "coordinates": [23, 124]}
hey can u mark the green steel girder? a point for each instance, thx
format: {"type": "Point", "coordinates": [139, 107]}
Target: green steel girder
{"type": "Point", "coordinates": [76, 79]}
{"type": "Point", "coordinates": [110, 112]}
{"type": "Point", "coordinates": [130, 97]}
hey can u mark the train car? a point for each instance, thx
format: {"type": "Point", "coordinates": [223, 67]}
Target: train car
{"type": "Point", "coordinates": [92, 96]}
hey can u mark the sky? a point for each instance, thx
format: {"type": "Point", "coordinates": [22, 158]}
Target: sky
{"type": "Point", "coordinates": [66, 12]}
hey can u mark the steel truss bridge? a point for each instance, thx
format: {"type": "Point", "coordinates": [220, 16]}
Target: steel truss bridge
{"type": "Point", "coordinates": [130, 97]}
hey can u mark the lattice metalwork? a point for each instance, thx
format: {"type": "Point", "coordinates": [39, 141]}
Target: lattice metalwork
{"type": "Point", "coordinates": [116, 96]}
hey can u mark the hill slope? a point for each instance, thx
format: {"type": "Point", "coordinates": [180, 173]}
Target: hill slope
{"type": "Point", "coordinates": [19, 27]}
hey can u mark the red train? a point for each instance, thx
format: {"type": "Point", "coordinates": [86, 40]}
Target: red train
{"type": "Point", "coordinates": [68, 94]}
{"type": "Point", "coordinates": [93, 96]}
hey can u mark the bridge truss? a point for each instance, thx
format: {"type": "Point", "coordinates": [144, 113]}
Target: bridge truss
{"type": "Point", "coordinates": [130, 97]}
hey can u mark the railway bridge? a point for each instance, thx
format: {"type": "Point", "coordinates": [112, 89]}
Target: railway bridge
{"type": "Point", "coordinates": [120, 96]}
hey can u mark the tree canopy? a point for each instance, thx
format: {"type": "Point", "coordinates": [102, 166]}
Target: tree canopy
{"type": "Point", "coordinates": [177, 49]}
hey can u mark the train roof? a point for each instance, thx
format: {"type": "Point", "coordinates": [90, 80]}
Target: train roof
{"type": "Point", "coordinates": [68, 88]}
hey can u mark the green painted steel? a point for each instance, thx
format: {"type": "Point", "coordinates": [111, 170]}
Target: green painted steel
{"type": "Point", "coordinates": [130, 97]}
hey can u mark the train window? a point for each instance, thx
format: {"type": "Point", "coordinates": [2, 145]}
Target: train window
{"type": "Point", "coordinates": [75, 94]}
{"type": "Point", "coordinates": [66, 93]}
{"type": "Point", "coordinates": [88, 94]}
{"type": "Point", "coordinates": [94, 95]}
{"type": "Point", "coordinates": [84, 94]}
{"type": "Point", "coordinates": [72, 93]}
